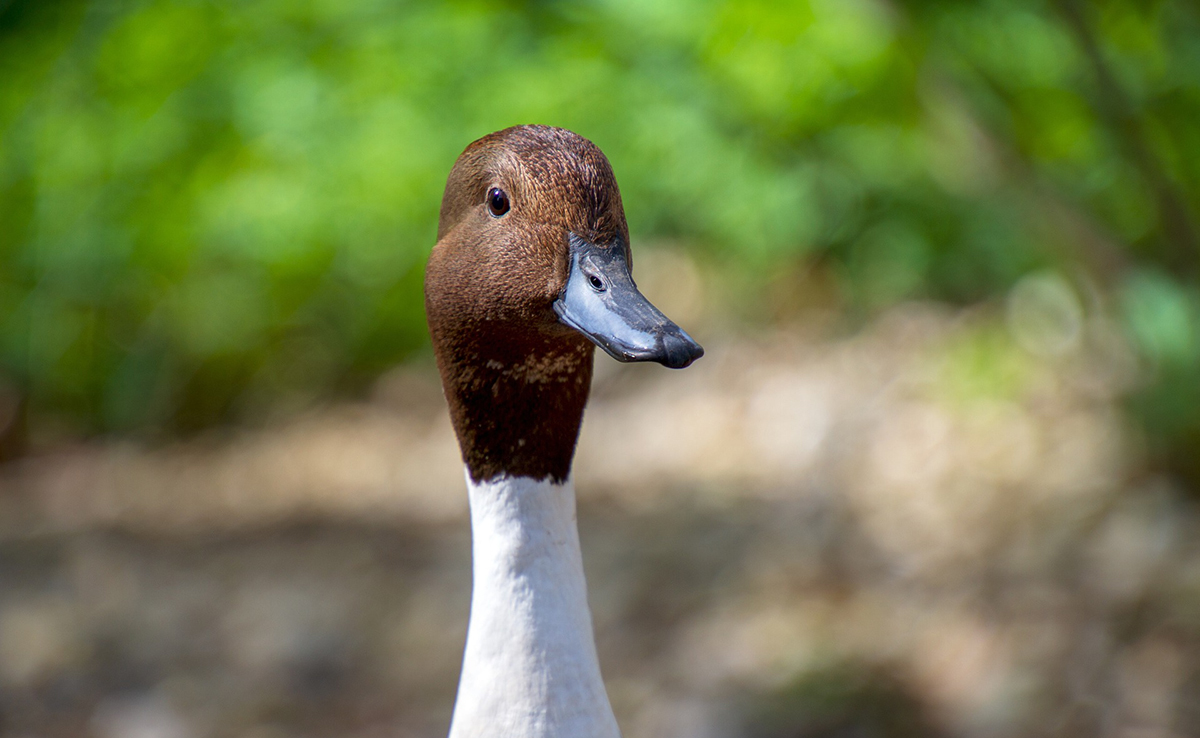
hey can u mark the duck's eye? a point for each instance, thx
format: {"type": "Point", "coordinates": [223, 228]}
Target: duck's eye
{"type": "Point", "coordinates": [597, 283]}
{"type": "Point", "coordinates": [497, 201]}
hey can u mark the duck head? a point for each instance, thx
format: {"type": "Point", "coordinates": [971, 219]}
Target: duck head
{"type": "Point", "coordinates": [531, 270]}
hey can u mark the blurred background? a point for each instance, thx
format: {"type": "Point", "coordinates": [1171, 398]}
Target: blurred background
{"type": "Point", "coordinates": [937, 475]}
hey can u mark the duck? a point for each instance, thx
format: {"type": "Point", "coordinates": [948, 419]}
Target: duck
{"type": "Point", "coordinates": [532, 271]}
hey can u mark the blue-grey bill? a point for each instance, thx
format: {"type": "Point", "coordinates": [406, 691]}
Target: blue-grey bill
{"type": "Point", "coordinates": [601, 301]}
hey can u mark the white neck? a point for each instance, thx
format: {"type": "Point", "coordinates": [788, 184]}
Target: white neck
{"type": "Point", "coordinates": [530, 667]}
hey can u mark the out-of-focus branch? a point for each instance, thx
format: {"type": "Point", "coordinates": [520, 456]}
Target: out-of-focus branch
{"type": "Point", "coordinates": [1181, 250]}
{"type": "Point", "coordinates": [1102, 256]}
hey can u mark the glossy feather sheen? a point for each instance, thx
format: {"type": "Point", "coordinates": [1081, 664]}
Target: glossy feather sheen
{"type": "Point", "coordinates": [530, 666]}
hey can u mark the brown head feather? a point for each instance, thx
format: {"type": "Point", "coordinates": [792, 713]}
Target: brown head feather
{"type": "Point", "coordinates": [517, 379]}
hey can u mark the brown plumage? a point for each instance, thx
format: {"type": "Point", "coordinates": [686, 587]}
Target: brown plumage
{"type": "Point", "coordinates": [515, 377]}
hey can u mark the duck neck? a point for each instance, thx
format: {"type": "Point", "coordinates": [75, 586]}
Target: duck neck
{"type": "Point", "coordinates": [530, 667]}
{"type": "Point", "coordinates": [516, 406]}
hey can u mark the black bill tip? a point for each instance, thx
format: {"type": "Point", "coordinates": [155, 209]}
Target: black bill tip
{"type": "Point", "coordinates": [673, 349]}
{"type": "Point", "coordinates": [679, 350]}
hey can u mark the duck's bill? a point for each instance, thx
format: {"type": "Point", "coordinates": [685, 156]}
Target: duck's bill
{"type": "Point", "coordinates": [601, 301]}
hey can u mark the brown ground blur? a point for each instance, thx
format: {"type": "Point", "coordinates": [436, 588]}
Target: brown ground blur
{"type": "Point", "coordinates": [940, 525]}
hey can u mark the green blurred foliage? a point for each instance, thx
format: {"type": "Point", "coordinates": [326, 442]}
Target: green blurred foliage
{"type": "Point", "coordinates": [208, 207]}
